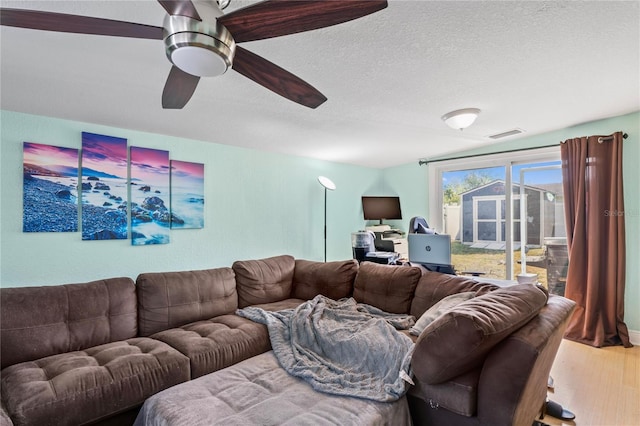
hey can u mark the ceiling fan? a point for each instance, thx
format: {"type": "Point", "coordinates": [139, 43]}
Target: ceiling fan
{"type": "Point", "coordinates": [200, 40]}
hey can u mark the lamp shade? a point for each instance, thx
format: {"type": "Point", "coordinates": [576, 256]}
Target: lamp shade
{"type": "Point", "coordinates": [461, 118]}
{"type": "Point", "coordinates": [327, 183]}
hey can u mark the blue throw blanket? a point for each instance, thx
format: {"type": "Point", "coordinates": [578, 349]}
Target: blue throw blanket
{"type": "Point", "coordinates": [341, 347]}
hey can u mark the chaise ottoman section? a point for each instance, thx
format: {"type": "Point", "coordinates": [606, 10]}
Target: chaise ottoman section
{"type": "Point", "coordinates": [84, 386]}
{"type": "Point", "coordinates": [218, 342]}
{"type": "Point", "coordinates": [259, 391]}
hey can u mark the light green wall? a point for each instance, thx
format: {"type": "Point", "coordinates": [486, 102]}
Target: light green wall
{"type": "Point", "coordinates": [410, 181]}
{"type": "Point", "coordinates": [257, 204]}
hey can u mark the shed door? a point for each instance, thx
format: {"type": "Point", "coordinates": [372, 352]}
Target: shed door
{"type": "Point", "coordinates": [489, 219]}
{"type": "Point", "coordinates": [487, 223]}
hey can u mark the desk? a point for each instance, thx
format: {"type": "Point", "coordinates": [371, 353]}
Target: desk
{"type": "Point", "coordinates": [400, 244]}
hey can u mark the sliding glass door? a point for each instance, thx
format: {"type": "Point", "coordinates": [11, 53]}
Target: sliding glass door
{"type": "Point", "coordinates": [541, 215]}
{"type": "Point", "coordinates": [504, 214]}
{"type": "Point", "coordinates": [474, 217]}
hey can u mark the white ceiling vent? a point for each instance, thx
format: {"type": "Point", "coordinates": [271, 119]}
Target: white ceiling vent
{"type": "Point", "coordinates": [505, 134]}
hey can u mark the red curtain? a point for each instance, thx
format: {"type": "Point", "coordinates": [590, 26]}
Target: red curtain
{"type": "Point", "coordinates": [594, 213]}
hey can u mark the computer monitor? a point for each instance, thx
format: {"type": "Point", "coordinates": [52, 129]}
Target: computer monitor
{"type": "Point", "coordinates": [381, 208]}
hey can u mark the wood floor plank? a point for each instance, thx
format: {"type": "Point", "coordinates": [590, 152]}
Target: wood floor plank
{"type": "Point", "coordinates": [601, 386]}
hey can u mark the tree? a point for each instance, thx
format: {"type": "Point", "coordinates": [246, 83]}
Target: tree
{"type": "Point", "coordinates": [473, 179]}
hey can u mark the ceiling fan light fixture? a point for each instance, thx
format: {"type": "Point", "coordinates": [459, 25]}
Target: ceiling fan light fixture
{"type": "Point", "coordinates": [198, 48]}
{"type": "Point", "coordinates": [199, 54]}
{"type": "Point", "coordinates": [462, 118]}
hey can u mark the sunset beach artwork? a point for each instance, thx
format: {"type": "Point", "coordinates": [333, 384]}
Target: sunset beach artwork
{"type": "Point", "coordinates": [150, 214]}
{"type": "Point", "coordinates": [50, 188]}
{"type": "Point", "coordinates": [104, 187]}
{"type": "Point", "coordinates": [187, 194]}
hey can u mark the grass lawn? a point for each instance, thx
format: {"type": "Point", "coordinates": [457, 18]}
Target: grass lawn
{"type": "Point", "coordinates": [491, 262]}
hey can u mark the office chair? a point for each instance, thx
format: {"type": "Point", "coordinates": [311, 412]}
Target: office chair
{"type": "Point", "coordinates": [418, 225]}
{"type": "Point", "coordinates": [383, 245]}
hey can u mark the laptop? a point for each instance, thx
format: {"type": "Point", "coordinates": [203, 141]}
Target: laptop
{"type": "Point", "coordinates": [430, 249]}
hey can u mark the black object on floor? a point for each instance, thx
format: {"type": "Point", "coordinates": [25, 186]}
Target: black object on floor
{"type": "Point", "coordinates": [556, 410]}
{"type": "Point", "coordinates": [539, 423]}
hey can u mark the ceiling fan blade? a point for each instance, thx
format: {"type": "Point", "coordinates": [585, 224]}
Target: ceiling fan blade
{"type": "Point", "coordinates": [178, 89]}
{"type": "Point", "coordinates": [61, 22]}
{"type": "Point", "coordinates": [180, 8]}
{"type": "Point", "coordinates": [276, 79]}
{"type": "Point", "coordinates": [274, 18]}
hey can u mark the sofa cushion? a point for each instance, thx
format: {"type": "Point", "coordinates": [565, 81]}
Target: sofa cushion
{"type": "Point", "coordinates": [264, 280]}
{"type": "Point", "coordinates": [434, 286]}
{"type": "Point", "coordinates": [171, 299]}
{"type": "Point", "coordinates": [438, 309]}
{"type": "Point", "coordinates": [218, 342]}
{"type": "Point", "coordinates": [37, 322]}
{"type": "Point", "coordinates": [83, 386]}
{"type": "Point", "coordinates": [387, 287]}
{"type": "Point", "coordinates": [459, 340]}
{"type": "Point", "coordinates": [331, 279]}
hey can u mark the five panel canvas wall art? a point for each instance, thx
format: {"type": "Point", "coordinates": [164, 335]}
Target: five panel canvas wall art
{"type": "Point", "coordinates": [113, 186]}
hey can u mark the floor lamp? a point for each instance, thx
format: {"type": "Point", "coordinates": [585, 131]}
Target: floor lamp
{"type": "Point", "coordinates": [327, 184]}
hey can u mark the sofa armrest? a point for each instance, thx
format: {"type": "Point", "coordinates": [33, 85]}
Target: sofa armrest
{"type": "Point", "coordinates": [513, 381]}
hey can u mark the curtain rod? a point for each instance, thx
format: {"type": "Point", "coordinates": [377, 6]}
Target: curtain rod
{"type": "Point", "coordinates": [423, 162]}
{"type": "Point", "coordinates": [606, 138]}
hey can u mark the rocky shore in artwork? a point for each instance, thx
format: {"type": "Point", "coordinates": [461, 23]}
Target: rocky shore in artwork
{"type": "Point", "coordinates": [153, 208]}
{"type": "Point", "coordinates": [53, 207]}
{"type": "Point", "coordinates": [107, 221]}
{"type": "Point", "coordinates": [100, 223]}
{"type": "Point", "coordinates": [48, 206]}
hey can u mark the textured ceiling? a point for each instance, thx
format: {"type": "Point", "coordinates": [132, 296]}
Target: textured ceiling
{"type": "Point", "coordinates": [388, 77]}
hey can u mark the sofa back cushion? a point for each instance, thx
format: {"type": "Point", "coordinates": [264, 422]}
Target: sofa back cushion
{"type": "Point", "coordinates": [40, 321]}
{"type": "Point", "coordinates": [172, 299]}
{"type": "Point", "coordinates": [264, 280]}
{"type": "Point", "coordinates": [331, 279]}
{"type": "Point", "coordinates": [460, 339]}
{"type": "Point", "coordinates": [435, 286]}
{"type": "Point", "coordinates": [387, 287]}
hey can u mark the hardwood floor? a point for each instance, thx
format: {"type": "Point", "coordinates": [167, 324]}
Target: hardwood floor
{"type": "Point", "coordinates": [600, 386]}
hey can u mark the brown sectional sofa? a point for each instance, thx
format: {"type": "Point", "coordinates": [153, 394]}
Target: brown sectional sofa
{"type": "Point", "coordinates": [92, 353]}
{"type": "Point", "coordinates": [71, 354]}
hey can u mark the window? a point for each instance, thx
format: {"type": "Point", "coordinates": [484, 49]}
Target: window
{"type": "Point", "coordinates": [502, 211]}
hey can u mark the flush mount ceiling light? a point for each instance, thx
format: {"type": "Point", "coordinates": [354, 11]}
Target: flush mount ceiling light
{"type": "Point", "coordinates": [462, 118]}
